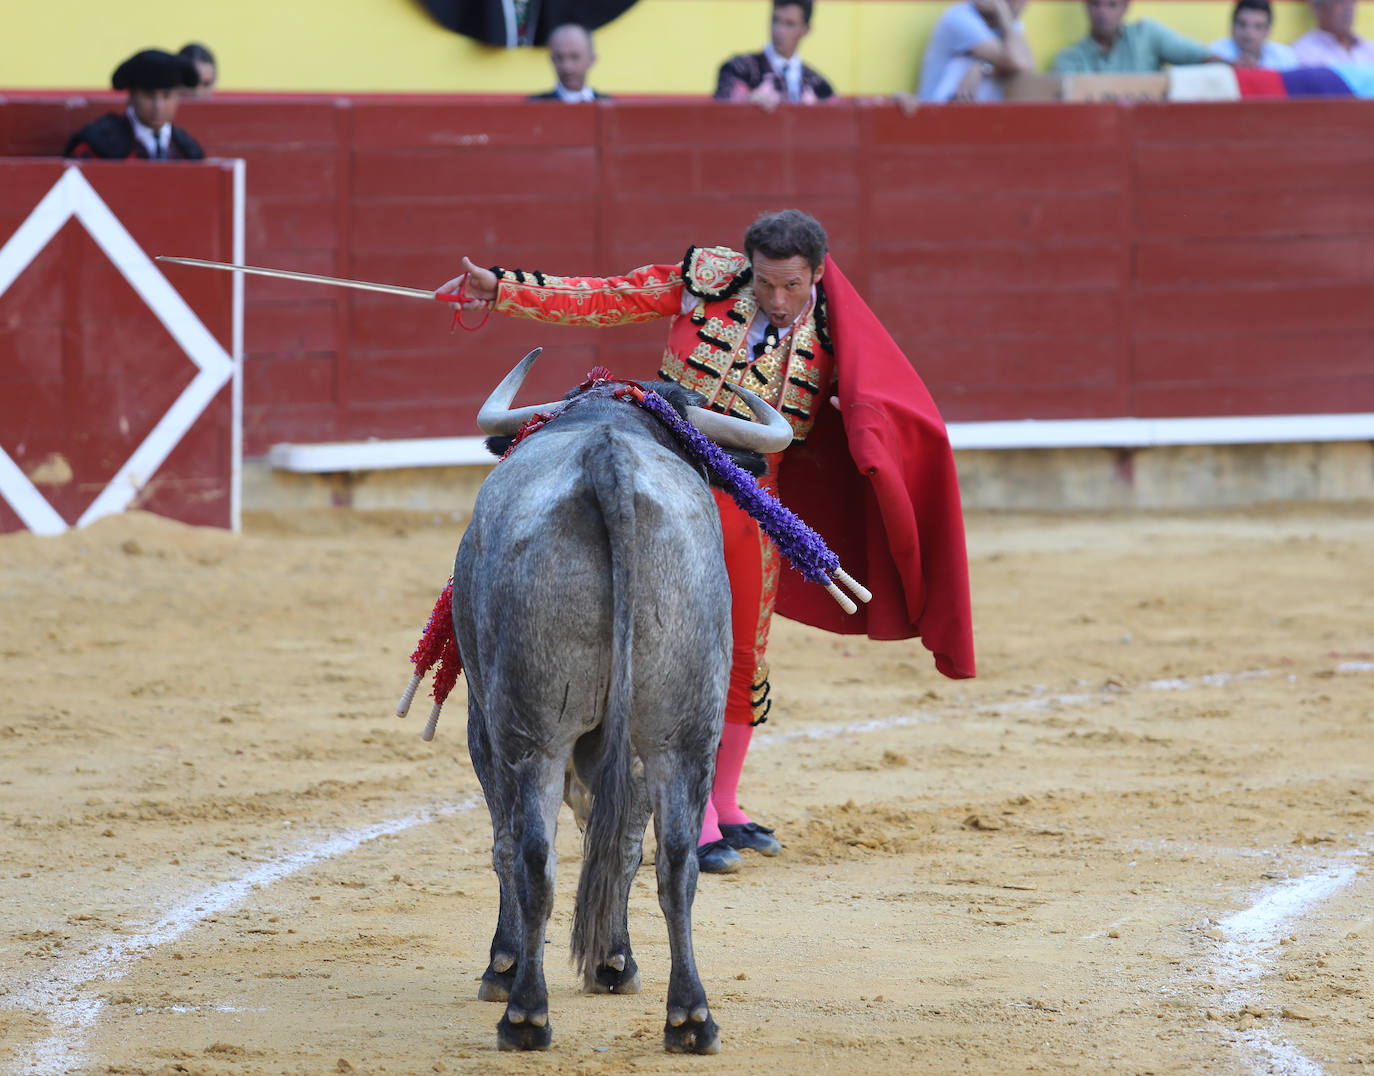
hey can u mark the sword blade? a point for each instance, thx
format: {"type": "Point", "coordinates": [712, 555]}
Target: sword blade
{"type": "Point", "coordinates": [310, 278]}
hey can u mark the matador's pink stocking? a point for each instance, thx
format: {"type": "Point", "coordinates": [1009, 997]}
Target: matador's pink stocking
{"type": "Point", "coordinates": [734, 744]}
{"type": "Point", "coordinates": [710, 825]}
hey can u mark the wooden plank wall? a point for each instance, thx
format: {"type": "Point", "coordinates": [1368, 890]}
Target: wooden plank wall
{"type": "Point", "coordinates": [1035, 261]}
{"type": "Point", "coordinates": [88, 369]}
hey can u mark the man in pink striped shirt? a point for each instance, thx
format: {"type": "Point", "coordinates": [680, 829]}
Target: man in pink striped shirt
{"type": "Point", "coordinates": [1334, 40]}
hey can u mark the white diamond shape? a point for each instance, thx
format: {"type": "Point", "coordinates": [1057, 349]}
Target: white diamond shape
{"type": "Point", "coordinates": [72, 196]}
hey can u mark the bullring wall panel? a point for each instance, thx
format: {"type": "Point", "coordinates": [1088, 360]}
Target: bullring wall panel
{"type": "Point", "coordinates": [1035, 261]}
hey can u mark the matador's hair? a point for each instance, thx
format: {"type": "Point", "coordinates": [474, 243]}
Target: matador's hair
{"type": "Point", "coordinates": [788, 234]}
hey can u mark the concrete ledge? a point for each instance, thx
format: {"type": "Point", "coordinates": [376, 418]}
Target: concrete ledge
{"type": "Point", "coordinates": [1150, 432]}
{"type": "Point", "coordinates": [447, 491]}
{"type": "Point", "coordinates": [1166, 477]}
{"type": "Point", "coordinates": [347, 456]}
{"type": "Point", "coordinates": [339, 456]}
{"type": "Point", "coordinates": [1163, 477]}
{"type": "Point", "coordinates": [1075, 465]}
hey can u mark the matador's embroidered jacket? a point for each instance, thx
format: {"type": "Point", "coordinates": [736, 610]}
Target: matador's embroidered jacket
{"type": "Point", "coordinates": [707, 346]}
{"type": "Point", "coordinates": [876, 478]}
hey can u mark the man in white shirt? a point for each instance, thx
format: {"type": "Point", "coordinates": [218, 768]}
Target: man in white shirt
{"type": "Point", "coordinates": [974, 46]}
{"type": "Point", "coordinates": [572, 54]}
{"type": "Point", "coordinates": [1249, 44]}
{"type": "Point", "coordinates": [777, 73]}
{"type": "Point", "coordinates": [1334, 40]}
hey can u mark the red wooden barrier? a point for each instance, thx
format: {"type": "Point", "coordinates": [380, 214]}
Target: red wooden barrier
{"type": "Point", "coordinates": [116, 389]}
{"type": "Point", "coordinates": [1035, 261]}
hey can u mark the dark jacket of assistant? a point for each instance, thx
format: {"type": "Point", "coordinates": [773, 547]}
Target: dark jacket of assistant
{"type": "Point", "coordinates": [111, 138]}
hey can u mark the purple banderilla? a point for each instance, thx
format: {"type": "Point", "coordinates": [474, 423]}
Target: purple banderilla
{"type": "Point", "coordinates": [803, 547]}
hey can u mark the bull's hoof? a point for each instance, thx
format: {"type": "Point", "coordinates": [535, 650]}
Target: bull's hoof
{"type": "Point", "coordinates": [498, 979]}
{"type": "Point", "coordinates": [691, 1033]}
{"type": "Point", "coordinates": [519, 1030]}
{"type": "Point", "coordinates": [619, 975]}
{"type": "Point", "coordinates": [492, 990]}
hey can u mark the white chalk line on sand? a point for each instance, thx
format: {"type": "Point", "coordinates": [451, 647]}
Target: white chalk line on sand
{"type": "Point", "coordinates": [1249, 938]}
{"type": "Point", "coordinates": [61, 996]}
{"type": "Point", "coordinates": [1034, 703]}
{"type": "Point", "coordinates": [57, 995]}
{"type": "Point", "coordinates": [1253, 929]}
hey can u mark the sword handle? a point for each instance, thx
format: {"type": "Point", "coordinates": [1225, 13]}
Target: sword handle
{"type": "Point", "coordinates": [458, 301]}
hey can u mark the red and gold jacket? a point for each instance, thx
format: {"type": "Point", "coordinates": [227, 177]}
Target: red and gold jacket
{"type": "Point", "coordinates": [707, 346]}
{"type": "Point", "coordinates": [875, 478]}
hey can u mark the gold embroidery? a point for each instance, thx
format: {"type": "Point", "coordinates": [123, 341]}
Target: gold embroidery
{"type": "Point", "coordinates": [798, 400]}
{"type": "Point", "coordinates": [771, 575]}
{"type": "Point", "coordinates": [759, 690]}
{"type": "Point", "coordinates": [672, 368]}
{"type": "Point", "coordinates": [779, 368]}
{"type": "Point", "coordinates": [707, 367]}
{"type": "Point", "coordinates": [789, 380]}
{"type": "Point", "coordinates": [712, 272]}
{"type": "Point", "coordinates": [558, 300]}
{"type": "Point", "coordinates": [514, 306]}
{"type": "Point", "coordinates": [763, 378]}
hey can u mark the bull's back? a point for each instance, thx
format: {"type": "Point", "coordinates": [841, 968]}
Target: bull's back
{"type": "Point", "coordinates": [534, 574]}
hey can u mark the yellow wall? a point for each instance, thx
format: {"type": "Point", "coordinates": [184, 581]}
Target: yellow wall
{"type": "Point", "coordinates": [659, 46]}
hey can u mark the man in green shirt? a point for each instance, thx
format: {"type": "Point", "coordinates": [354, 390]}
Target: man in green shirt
{"type": "Point", "coordinates": [1136, 48]}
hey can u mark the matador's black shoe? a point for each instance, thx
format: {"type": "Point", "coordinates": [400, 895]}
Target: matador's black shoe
{"type": "Point", "coordinates": [717, 858]}
{"type": "Point", "coordinates": [750, 837]}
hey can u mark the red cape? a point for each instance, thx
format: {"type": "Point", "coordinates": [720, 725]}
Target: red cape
{"type": "Point", "coordinates": [879, 486]}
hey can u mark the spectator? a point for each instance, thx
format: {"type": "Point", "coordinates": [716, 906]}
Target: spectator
{"type": "Point", "coordinates": [144, 129]}
{"type": "Point", "coordinates": [204, 60]}
{"type": "Point", "coordinates": [777, 73]}
{"type": "Point", "coordinates": [1334, 40]}
{"type": "Point", "coordinates": [1133, 48]}
{"type": "Point", "coordinates": [572, 55]}
{"type": "Point", "coordinates": [513, 23]}
{"type": "Point", "coordinates": [975, 44]}
{"type": "Point", "coordinates": [1249, 44]}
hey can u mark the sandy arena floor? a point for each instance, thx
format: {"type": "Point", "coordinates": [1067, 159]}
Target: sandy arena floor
{"type": "Point", "coordinates": [1139, 842]}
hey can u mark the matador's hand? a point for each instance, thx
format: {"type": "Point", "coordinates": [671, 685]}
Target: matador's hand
{"type": "Point", "coordinates": [480, 289]}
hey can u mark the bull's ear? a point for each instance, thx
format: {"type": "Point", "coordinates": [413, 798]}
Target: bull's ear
{"type": "Point", "coordinates": [498, 446]}
{"type": "Point", "coordinates": [754, 464]}
{"type": "Point", "coordinates": [680, 396]}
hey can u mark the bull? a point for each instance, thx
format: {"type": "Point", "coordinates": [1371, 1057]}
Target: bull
{"type": "Point", "coordinates": [592, 612]}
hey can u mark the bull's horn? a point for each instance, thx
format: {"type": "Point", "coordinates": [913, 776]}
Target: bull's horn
{"type": "Point", "coordinates": [771, 434]}
{"type": "Point", "coordinates": [497, 417]}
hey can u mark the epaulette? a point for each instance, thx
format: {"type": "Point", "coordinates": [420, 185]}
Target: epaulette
{"type": "Point", "coordinates": [712, 273]}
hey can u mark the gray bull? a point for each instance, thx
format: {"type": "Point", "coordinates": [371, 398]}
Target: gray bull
{"type": "Point", "coordinates": [592, 611]}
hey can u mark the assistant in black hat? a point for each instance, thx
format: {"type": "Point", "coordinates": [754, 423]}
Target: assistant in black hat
{"type": "Point", "coordinates": [154, 80]}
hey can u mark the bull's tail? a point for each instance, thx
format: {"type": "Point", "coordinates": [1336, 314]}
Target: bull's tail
{"type": "Point", "coordinates": [605, 844]}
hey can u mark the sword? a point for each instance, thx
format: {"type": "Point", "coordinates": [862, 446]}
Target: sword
{"type": "Point", "coordinates": [312, 278]}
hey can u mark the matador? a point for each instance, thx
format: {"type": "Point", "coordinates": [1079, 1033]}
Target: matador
{"type": "Point", "coordinates": [870, 465]}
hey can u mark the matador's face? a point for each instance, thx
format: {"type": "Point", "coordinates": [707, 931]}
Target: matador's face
{"type": "Point", "coordinates": [783, 286]}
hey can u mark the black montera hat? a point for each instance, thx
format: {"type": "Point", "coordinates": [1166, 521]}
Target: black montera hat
{"type": "Point", "coordinates": [154, 69]}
